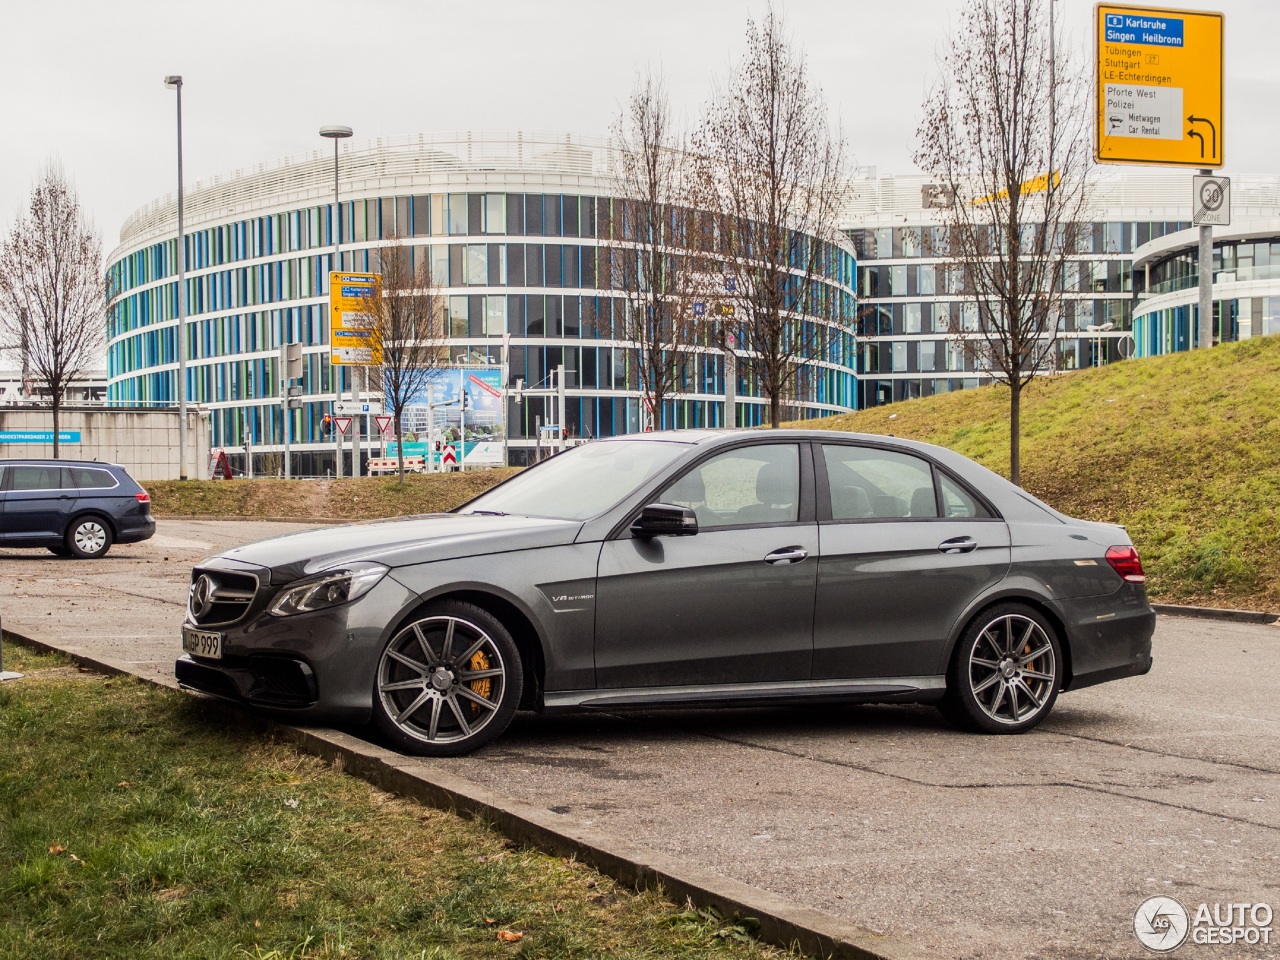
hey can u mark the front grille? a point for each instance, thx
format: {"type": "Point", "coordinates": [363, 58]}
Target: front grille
{"type": "Point", "coordinates": [219, 597]}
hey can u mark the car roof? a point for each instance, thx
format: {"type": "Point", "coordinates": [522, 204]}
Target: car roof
{"type": "Point", "coordinates": [49, 462]}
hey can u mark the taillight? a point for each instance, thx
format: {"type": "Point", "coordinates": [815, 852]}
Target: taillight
{"type": "Point", "coordinates": [142, 497]}
{"type": "Point", "coordinates": [1126, 562]}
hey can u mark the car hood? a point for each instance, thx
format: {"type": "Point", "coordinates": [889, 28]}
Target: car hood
{"type": "Point", "coordinates": [402, 541]}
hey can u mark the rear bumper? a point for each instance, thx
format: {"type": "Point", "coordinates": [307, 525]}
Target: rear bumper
{"type": "Point", "coordinates": [1108, 637]}
{"type": "Point", "coordinates": [135, 531]}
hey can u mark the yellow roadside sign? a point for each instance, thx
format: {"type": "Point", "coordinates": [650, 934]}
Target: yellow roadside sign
{"type": "Point", "coordinates": [1159, 86]}
{"type": "Point", "coordinates": [351, 339]}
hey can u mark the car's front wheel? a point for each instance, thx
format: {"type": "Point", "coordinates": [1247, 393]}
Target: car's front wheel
{"type": "Point", "coordinates": [1005, 673]}
{"type": "Point", "coordinates": [448, 681]}
{"type": "Point", "coordinates": [88, 537]}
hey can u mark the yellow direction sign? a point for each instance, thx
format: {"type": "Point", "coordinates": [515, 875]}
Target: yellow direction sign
{"type": "Point", "coordinates": [351, 338]}
{"type": "Point", "coordinates": [1159, 96]}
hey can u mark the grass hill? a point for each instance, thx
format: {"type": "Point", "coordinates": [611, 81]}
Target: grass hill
{"type": "Point", "coordinates": [1184, 450]}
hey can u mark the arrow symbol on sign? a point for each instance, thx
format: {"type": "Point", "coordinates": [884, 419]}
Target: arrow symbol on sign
{"type": "Point", "coordinates": [1212, 129]}
{"type": "Point", "coordinates": [1192, 133]}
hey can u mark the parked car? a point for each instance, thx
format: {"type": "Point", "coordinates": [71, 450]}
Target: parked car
{"type": "Point", "coordinates": [76, 508]}
{"type": "Point", "coordinates": [688, 568]}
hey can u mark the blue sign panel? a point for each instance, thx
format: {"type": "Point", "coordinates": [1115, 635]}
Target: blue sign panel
{"type": "Point", "coordinates": [38, 436]}
{"type": "Point", "coordinates": [1154, 31]}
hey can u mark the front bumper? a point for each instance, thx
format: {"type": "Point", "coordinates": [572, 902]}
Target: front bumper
{"type": "Point", "coordinates": [316, 665]}
{"type": "Point", "coordinates": [282, 683]}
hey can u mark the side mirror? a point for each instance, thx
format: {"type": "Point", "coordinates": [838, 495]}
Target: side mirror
{"type": "Point", "coordinates": [665, 520]}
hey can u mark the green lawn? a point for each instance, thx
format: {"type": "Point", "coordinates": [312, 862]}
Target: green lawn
{"type": "Point", "coordinates": [133, 823]}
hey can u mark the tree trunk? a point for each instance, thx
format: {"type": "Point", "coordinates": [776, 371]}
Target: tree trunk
{"type": "Point", "coordinates": [399, 447]}
{"type": "Point", "coordinates": [775, 411]}
{"type": "Point", "coordinates": [1015, 431]}
{"type": "Point", "coordinates": [57, 416]}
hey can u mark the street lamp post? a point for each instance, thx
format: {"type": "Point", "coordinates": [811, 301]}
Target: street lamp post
{"type": "Point", "coordinates": [336, 133]}
{"type": "Point", "coordinates": [174, 82]}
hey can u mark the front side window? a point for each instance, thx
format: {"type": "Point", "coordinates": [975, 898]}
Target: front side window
{"type": "Point", "coordinates": [871, 484]}
{"type": "Point", "coordinates": [37, 478]}
{"type": "Point", "coordinates": [749, 485]}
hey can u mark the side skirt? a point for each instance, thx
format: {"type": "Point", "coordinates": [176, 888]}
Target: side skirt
{"type": "Point", "coordinates": [885, 689]}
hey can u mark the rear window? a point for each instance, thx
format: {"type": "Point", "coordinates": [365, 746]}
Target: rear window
{"type": "Point", "coordinates": [91, 478]}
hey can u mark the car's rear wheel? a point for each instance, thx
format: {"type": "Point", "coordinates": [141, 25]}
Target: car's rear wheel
{"type": "Point", "coordinates": [1005, 673]}
{"type": "Point", "coordinates": [447, 682]}
{"type": "Point", "coordinates": [89, 537]}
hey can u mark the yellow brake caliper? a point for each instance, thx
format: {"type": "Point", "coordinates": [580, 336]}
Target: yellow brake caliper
{"type": "Point", "coordinates": [481, 688]}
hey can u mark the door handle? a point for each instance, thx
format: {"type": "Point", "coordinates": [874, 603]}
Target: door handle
{"type": "Point", "coordinates": [787, 555]}
{"type": "Point", "coordinates": [958, 545]}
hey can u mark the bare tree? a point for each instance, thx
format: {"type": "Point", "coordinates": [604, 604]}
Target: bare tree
{"type": "Point", "coordinates": [407, 324]}
{"type": "Point", "coordinates": [1005, 134]}
{"type": "Point", "coordinates": [53, 295]}
{"type": "Point", "coordinates": [774, 172]}
{"type": "Point", "coordinates": [655, 259]}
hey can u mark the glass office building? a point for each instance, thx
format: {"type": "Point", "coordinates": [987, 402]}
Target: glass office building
{"type": "Point", "coordinates": [514, 227]}
{"type": "Point", "coordinates": [913, 322]}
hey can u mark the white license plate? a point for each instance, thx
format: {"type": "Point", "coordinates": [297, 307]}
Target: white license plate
{"type": "Point", "coordinates": [202, 643]}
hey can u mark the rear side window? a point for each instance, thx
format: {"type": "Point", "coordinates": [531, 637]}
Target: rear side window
{"type": "Point", "coordinates": [958, 502]}
{"type": "Point", "coordinates": [91, 478]}
{"type": "Point", "coordinates": [24, 477]}
{"type": "Point", "coordinates": [871, 484]}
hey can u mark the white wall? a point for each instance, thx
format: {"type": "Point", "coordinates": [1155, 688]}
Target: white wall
{"type": "Point", "coordinates": [144, 442]}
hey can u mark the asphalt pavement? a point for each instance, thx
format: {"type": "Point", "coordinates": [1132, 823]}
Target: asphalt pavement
{"type": "Point", "coordinates": [1041, 845]}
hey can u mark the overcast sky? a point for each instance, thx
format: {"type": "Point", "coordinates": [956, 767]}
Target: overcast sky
{"type": "Point", "coordinates": [82, 79]}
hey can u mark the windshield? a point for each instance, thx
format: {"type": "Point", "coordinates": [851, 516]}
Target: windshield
{"type": "Point", "coordinates": [582, 482]}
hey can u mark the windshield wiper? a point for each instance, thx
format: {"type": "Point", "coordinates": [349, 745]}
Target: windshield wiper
{"type": "Point", "coordinates": [487, 513]}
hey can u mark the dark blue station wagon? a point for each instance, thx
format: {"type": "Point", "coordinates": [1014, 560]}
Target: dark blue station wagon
{"type": "Point", "coordinates": [75, 508]}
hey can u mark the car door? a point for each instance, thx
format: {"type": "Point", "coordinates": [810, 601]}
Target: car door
{"type": "Point", "coordinates": [905, 548]}
{"type": "Point", "coordinates": [732, 603]}
{"type": "Point", "coordinates": [38, 498]}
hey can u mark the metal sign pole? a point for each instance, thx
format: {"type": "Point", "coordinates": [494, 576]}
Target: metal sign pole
{"type": "Point", "coordinates": [561, 412]}
{"type": "Point", "coordinates": [1206, 281]}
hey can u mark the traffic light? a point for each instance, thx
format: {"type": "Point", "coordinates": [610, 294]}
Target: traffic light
{"type": "Point", "coordinates": [326, 425]}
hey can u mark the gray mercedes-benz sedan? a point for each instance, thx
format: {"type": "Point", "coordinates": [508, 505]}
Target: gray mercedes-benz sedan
{"type": "Point", "coordinates": [688, 568]}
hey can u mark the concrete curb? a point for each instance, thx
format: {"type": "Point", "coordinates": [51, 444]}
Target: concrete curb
{"type": "Point", "coordinates": [1216, 613]}
{"type": "Point", "coordinates": [782, 922]}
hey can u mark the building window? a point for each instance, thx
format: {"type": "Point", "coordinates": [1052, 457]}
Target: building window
{"type": "Point", "coordinates": [495, 213]}
{"type": "Point", "coordinates": [911, 318]}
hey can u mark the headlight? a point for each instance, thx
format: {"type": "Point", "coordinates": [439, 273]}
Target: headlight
{"type": "Point", "coordinates": [339, 585]}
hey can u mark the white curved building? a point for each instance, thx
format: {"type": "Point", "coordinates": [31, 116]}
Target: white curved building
{"type": "Point", "coordinates": [1246, 282]}
{"type": "Point", "coordinates": [513, 226]}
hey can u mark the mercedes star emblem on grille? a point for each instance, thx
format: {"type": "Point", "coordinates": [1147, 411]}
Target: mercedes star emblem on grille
{"type": "Point", "coordinates": [201, 599]}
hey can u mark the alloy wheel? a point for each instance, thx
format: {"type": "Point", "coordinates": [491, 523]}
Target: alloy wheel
{"type": "Point", "coordinates": [442, 680]}
{"type": "Point", "coordinates": [1012, 669]}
